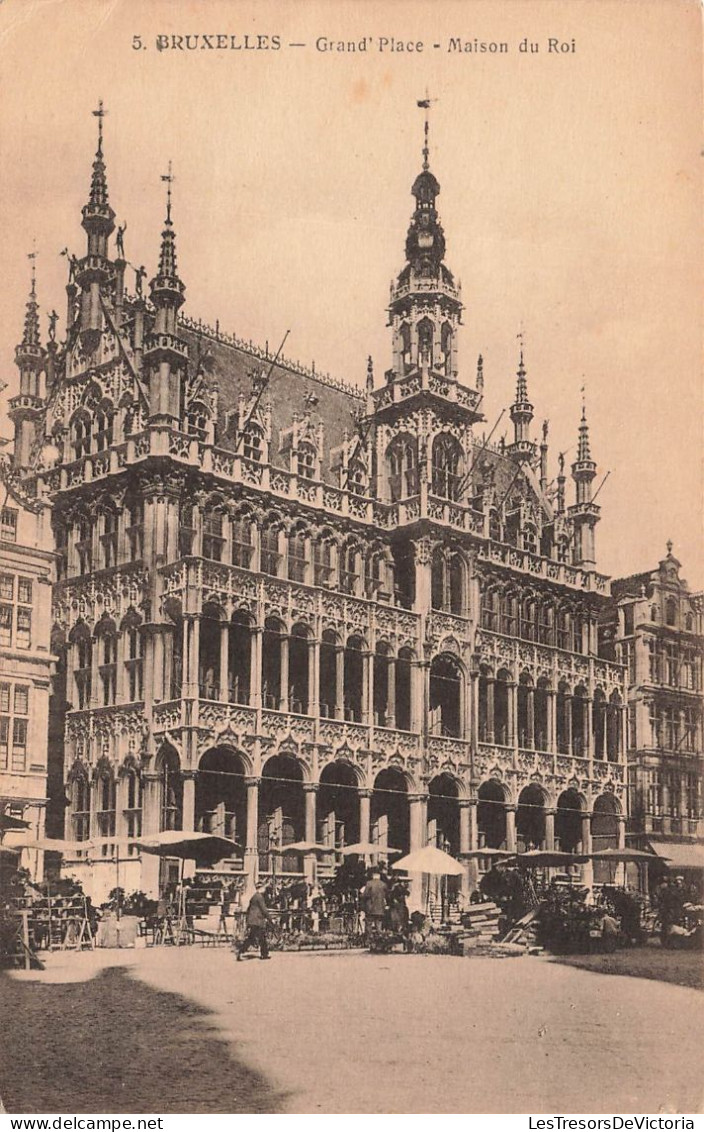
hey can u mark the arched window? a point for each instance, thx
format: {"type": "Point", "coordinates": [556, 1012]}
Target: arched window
{"type": "Point", "coordinates": [425, 340]}
{"type": "Point", "coordinates": [402, 459]}
{"type": "Point", "coordinates": [563, 549]}
{"type": "Point", "coordinates": [80, 806]}
{"type": "Point", "coordinates": [198, 420]}
{"type": "Point", "coordinates": [131, 628]}
{"type": "Point", "coordinates": [494, 525]}
{"type": "Point", "coordinates": [446, 346]}
{"type": "Point", "coordinates": [133, 808]}
{"type": "Point", "coordinates": [105, 812]}
{"type": "Point", "coordinates": [349, 568]}
{"type": "Point", "coordinates": [404, 333]}
{"type": "Point", "coordinates": [270, 556]}
{"type": "Point", "coordinates": [446, 697]}
{"type": "Point", "coordinates": [253, 443]}
{"type": "Point", "coordinates": [297, 554]}
{"type": "Point", "coordinates": [354, 679]}
{"type": "Point", "coordinates": [210, 652]}
{"type": "Point", "coordinates": [106, 640]}
{"type": "Point", "coordinates": [305, 461]}
{"type": "Point", "coordinates": [447, 466]}
{"type": "Point", "coordinates": [242, 540]}
{"type": "Point", "coordinates": [356, 478]}
{"type": "Point", "coordinates": [134, 525]}
{"type": "Point", "coordinates": [322, 560]}
{"type": "Point", "coordinates": [213, 532]}
{"type": "Point", "coordinates": [671, 611]}
{"type": "Point", "coordinates": [104, 427]}
{"type": "Point", "coordinates": [171, 789]}
{"type": "Point", "coordinates": [108, 538]}
{"type": "Point", "coordinates": [81, 435]}
{"type": "Point", "coordinates": [530, 539]}
{"type": "Point", "coordinates": [80, 639]}
{"type": "Point", "coordinates": [447, 582]}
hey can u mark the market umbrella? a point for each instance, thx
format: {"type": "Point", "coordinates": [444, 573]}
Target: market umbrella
{"type": "Point", "coordinates": [186, 845]}
{"type": "Point", "coordinates": [624, 856]}
{"type": "Point", "coordinates": [304, 847]}
{"type": "Point", "coordinates": [434, 862]}
{"type": "Point", "coordinates": [368, 849]}
{"type": "Point", "coordinates": [493, 854]}
{"type": "Point", "coordinates": [548, 858]}
{"type": "Point", "coordinates": [627, 855]}
{"type": "Point", "coordinates": [55, 845]}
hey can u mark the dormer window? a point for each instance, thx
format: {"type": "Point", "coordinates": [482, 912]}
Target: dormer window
{"type": "Point", "coordinates": [253, 444]}
{"type": "Point", "coordinates": [356, 478]}
{"type": "Point", "coordinates": [305, 464]}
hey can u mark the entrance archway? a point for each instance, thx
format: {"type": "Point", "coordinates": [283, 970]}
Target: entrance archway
{"type": "Point", "coordinates": [390, 811]}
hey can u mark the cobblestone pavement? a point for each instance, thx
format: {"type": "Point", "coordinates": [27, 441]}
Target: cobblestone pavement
{"type": "Point", "coordinates": [359, 1033]}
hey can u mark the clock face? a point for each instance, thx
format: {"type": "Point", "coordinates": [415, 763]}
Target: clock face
{"type": "Point", "coordinates": [425, 240]}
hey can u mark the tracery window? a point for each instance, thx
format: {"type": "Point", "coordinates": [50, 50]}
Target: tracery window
{"type": "Point", "coordinates": [305, 461]}
{"type": "Point", "coordinates": [447, 460]}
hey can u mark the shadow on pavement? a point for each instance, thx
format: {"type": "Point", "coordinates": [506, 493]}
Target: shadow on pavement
{"type": "Point", "coordinates": [115, 1045]}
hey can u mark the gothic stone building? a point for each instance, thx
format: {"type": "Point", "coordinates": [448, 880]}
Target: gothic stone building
{"type": "Point", "coordinates": [26, 662]}
{"type": "Point", "coordinates": [292, 608]}
{"type": "Point", "coordinates": [655, 626]}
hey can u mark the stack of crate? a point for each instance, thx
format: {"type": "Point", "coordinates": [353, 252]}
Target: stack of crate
{"type": "Point", "coordinates": [481, 924]}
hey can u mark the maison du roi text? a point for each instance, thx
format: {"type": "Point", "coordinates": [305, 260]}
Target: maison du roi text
{"type": "Point", "coordinates": [367, 44]}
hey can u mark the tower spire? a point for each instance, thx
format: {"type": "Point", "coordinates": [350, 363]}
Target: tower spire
{"type": "Point", "coordinates": [30, 336]}
{"type": "Point", "coordinates": [585, 514]}
{"type": "Point", "coordinates": [521, 412]}
{"type": "Point", "coordinates": [167, 257]}
{"type": "Point", "coordinates": [166, 353]}
{"type": "Point", "coordinates": [27, 407]}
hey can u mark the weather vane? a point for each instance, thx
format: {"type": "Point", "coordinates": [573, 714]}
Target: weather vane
{"type": "Point", "coordinates": [100, 114]}
{"type": "Point", "coordinates": [169, 178]}
{"type": "Point", "coordinates": [425, 104]}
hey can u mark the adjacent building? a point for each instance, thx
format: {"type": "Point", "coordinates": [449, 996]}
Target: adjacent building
{"type": "Point", "coordinates": [26, 661]}
{"type": "Point", "coordinates": [297, 609]}
{"type": "Point", "coordinates": [655, 626]}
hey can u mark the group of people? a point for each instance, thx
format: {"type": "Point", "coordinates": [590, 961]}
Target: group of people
{"type": "Point", "coordinates": [679, 909]}
{"type": "Point", "coordinates": [382, 902]}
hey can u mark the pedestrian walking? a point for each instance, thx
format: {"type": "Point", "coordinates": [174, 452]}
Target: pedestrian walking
{"type": "Point", "coordinates": [257, 919]}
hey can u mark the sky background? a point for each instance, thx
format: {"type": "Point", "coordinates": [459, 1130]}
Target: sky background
{"type": "Point", "coordinates": [570, 199]}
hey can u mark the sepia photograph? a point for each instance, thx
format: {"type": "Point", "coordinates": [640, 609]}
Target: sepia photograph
{"type": "Point", "coordinates": [351, 560]}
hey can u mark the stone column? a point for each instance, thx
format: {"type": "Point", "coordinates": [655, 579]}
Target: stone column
{"type": "Point", "coordinates": [367, 687]}
{"type": "Point", "coordinates": [530, 713]}
{"type": "Point", "coordinates": [589, 728]}
{"type": "Point", "coordinates": [313, 676]}
{"type": "Point", "coordinates": [339, 682]}
{"type": "Point", "coordinates": [490, 719]}
{"type": "Point", "coordinates": [188, 822]}
{"type": "Point", "coordinates": [588, 868]}
{"type": "Point", "coordinates": [365, 815]}
{"type": "Point", "coordinates": [391, 692]}
{"type": "Point", "coordinates": [284, 697]}
{"type": "Point", "coordinates": [468, 840]}
{"type": "Point", "coordinates": [191, 639]}
{"type": "Point", "coordinates": [310, 791]}
{"type": "Point", "coordinates": [568, 724]}
{"type": "Point", "coordinates": [224, 660]}
{"type": "Point", "coordinates": [255, 667]}
{"type": "Point", "coordinates": [251, 854]}
{"type": "Point", "coordinates": [549, 829]}
{"type": "Point", "coordinates": [552, 721]}
{"type": "Point", "coordinates": [511, 714]}
{"type": "Point", "coordinates": [418, 835]}
{"type": "Point", "coordinates": [511, 828]}
{"type": "Point", "coordinates": [622, 831]}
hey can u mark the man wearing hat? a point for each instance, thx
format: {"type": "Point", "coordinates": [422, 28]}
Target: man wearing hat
{"type": "Point", "coordinates": [257, 919]}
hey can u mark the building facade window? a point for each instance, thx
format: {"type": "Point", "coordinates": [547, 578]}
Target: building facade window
{"type": "Point", "coordinates": [15, 611]}
{"type": "Point", "coordinates": [14, 726]}
{"type": "Point", "coordinates": [8, 524]}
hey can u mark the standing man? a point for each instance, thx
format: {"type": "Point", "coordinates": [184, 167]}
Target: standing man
{"type": "Point", "coordinates": [257, 919]}
{"type": "Point", "coordinates": [374, 902]}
